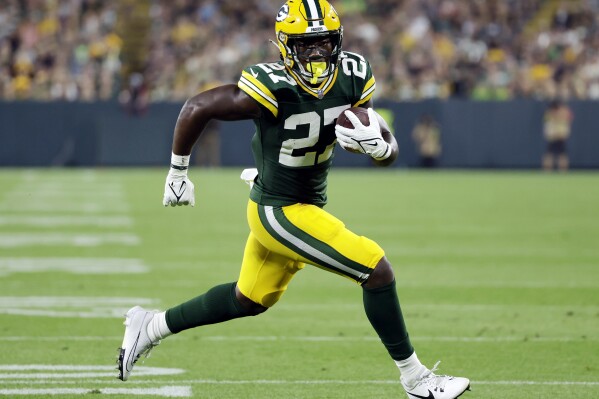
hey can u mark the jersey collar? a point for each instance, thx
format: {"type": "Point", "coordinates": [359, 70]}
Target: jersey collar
{"type": "Point", "coordinates": [319, 91]}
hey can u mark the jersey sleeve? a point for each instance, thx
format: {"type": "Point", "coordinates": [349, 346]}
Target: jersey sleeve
{"type": "Point", "coordinates": [252, 83]}
{"type": "Point", "coordinates": [368, 88]}
{"type": "Point", "coordinates": [358, 69]}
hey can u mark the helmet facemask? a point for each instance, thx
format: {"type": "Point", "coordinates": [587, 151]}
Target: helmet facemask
{"type": "Point", "coordinates": [309, 58]}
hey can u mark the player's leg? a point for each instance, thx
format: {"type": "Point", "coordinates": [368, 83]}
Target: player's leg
{"type": "Point", "coordinates": [384, 312]}
{"type": "Point", "coordinates": [265, 273]}
{"type": "Point", "coordinates": [327, 243]}
{"type": "Point", "coordinates": [263, 279]}
{"type": "Point", "coordinates": [319, 238]}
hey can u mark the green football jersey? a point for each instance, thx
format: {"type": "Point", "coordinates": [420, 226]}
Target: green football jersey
{"type": "Point", "coordinates": [295, 137]}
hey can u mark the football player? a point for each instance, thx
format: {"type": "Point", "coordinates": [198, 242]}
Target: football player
{"type": "Point", "coordinates": [294, 104]}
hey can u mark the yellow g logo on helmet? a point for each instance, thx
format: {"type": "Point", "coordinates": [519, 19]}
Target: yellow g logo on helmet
{"type": "Point", "coordinates": [307, 18]}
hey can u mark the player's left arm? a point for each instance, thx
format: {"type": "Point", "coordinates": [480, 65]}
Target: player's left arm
{"type": "Point", "coordinates": [387, 136]}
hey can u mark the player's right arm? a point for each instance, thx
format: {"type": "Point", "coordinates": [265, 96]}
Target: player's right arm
{"type": "Point", "coordinates": [224, 103]}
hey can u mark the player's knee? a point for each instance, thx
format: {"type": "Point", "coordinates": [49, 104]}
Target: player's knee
{"type": "Point", "coordinates": [251, 308]}
{"type": "Point", "coordinates": [381, 276]}
{"type": "Point", "coordinates": [255, 309]}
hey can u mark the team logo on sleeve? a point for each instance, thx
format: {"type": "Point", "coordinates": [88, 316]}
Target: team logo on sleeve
{"type": "Point", "coordinates": [283, 13]}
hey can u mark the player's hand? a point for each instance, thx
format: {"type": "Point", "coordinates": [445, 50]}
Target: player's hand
{"type": "Point", "coordinates": [178, 189]}
{"type": "Point", "coordinates": [366, 139]}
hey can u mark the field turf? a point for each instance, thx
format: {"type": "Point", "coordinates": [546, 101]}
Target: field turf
{"type": "Point", "coordinates": [498, 277]}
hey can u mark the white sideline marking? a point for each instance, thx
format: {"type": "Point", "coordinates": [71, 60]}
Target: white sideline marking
{"type": "Point", "coordinates": [72, 265]}
{"type": "Point", "coordinates": [501, 284]}
{"type": "Point", "coordinates": [542, 252]}
{"type": "Point", "coordinates": [92, 314]}
{"type": "Point", "coordinates": [66, 220]}
{"type": "Point", "coordinates": [307, 382]}
{"type": "Point", "coordinates": [378, 382]}
{"type": "Point", "coordinates": [523, 338]}
{"type": "Point", "coordinates": [165, 391]}
{"type": "Point", "coordinates": [59, 338]}
{"type": "Point", "coordinates": [467, 307]}
{"type": "Point", "coordinates": [582, 383]}
{"type": "Point", "coordinates": [71, 301]}
{"type": "Point", "coordinates": [83, 307]}
{"type": "Point", "coordinates": [75, 239]}
{"type": "Point", "coordinates": [66, 206]}
{"type": "Point", "coordinates": [108, 193]}
{"type": "Point", "coordinates": [66, 372]}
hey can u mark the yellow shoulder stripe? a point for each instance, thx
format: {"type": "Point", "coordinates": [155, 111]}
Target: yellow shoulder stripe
{"type": "Point", "coordinates": [369, 85]}
{"type": "Point", "coordinates": [255, 89]}
{"type": "Point", "coordinates": [367, 92]}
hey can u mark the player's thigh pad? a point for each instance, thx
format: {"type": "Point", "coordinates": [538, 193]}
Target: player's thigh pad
{"type": "Point", "coordinates": [307, 233]}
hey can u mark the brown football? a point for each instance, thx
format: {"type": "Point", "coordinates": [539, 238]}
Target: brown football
{"type": "Point", "coordinates": [361, 113]}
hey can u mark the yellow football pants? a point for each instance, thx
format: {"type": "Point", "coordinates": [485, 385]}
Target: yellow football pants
{"type": "Point", "coordinates": [283, 239]}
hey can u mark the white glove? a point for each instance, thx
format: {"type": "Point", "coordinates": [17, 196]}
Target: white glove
{"type": "Point", "coordinates": [249, 176]}
{"type": "Point", "coordinates": [365, 139]}
{"type": "Point", "coordinates": [178, 189]}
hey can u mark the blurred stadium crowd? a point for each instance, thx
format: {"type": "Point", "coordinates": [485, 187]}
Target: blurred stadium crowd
{"type": "Point", "coordinates": [168, 50]}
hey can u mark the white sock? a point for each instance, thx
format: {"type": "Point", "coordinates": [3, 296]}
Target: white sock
{"type": "Point", "coordinates": [157, 327]}
{"type": "Point", "coordinates": [410, 369]}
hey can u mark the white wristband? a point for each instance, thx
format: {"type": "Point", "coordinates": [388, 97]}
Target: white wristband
{"type": "Point", "coordinates": [179, 162]}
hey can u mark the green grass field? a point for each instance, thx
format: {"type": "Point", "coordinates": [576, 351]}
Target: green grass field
{"type": "Point", "coordinates": [498, 276]}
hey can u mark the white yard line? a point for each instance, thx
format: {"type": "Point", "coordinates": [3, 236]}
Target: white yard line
{"type": "Point", "coordinates": [43, 374]}
{"type": "Point", "coordinates": [164, 391]}
{"type": "Point", "coordinates": [72, 265]}
{"type": "Point", "coordinates": [63, 338]}
{"type": "Point", "coordinates": [70, 371]}
{"type": "Point", "coordinates": [101, 313]}
{"type": "Point", "coordinates": [66, 206]}
{"type": "Point", "coordinates": [333, 339]}
{"type": "Point", "coordinates": [71, 307]}
{"type": "Point", "coordinates": [91, 191]}
{"type": "Point", "coordinates": [13, 240]}
{"type": "Point", "coordinates": [71, 301]}
{"type": "Point", "coordinates": [65, 220]}
{"type": "Point", "coordinates": [368, 382]}
{"type": "Point", "coordinates": [465, 307]}
{"type": "Point", "coordinates": [299, 382]}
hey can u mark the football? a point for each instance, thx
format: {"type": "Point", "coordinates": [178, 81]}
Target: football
{"type": "Point", "coordinates": [361, 113]}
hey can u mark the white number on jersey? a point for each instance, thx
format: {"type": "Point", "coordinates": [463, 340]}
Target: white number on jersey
{"type": "Point", "coordinates": [314, 121]}
{"type": "Point", "coordinates": [351, 66]}
{"type": "Point", "coordinates": [268, 68]}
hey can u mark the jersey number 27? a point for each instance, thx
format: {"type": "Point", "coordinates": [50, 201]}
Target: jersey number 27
{"type": "Point", "coordinates": [315, 123]}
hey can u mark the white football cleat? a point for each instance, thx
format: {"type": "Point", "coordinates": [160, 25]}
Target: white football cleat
{"type": "Point", "coordinates": [136, 342]}
{"type": "Point", "coordinates": [432, 386]}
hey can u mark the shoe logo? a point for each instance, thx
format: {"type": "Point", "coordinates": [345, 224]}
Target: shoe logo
{"type": "Point", "coordinates": [430, 395]}
{"type": "Point", "coordinates": [181, 190]}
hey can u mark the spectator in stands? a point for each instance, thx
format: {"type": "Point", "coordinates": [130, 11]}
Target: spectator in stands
{"type": "Point", "coordinates": [483, 50]}
{"type": "Point", "coordinates": [557, 125]}
{"type": "Point", "coordinates": [134, 98]}
{"type": "Point", "coordinates": [427, 136]}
